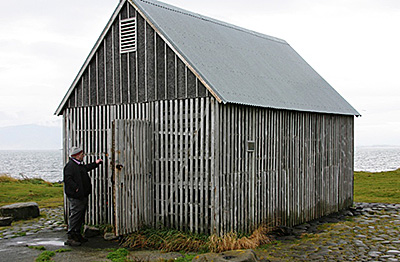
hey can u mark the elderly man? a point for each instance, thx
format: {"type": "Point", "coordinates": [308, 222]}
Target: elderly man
{"type": "Point", "coordinates": [77, 187]}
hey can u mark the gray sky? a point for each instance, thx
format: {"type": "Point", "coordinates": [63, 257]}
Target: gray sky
{"type": "Point", "coordinates": [353, 44]}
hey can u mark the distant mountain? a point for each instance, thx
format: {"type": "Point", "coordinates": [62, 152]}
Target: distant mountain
{"type": "Point", "coordinates": [30, 137]}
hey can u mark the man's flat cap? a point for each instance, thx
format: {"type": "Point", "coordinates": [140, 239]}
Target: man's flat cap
{"type": "Point", "coordinates": [75, 150]}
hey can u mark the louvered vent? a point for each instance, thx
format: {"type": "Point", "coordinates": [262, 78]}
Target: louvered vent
{"type": "Point", "coordinates": [127, 33]}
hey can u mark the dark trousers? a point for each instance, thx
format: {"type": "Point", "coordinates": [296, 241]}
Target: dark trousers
{"type": "Point", "coordinates": [77, 210]}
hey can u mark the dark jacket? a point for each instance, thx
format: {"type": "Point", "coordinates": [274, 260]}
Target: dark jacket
{"type": "Point", "coordinates": [76, 177]}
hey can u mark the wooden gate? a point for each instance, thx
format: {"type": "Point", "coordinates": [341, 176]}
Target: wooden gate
{"type": "Point", "coordinates": [132, 160]}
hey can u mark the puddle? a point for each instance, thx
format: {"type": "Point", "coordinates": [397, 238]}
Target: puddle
{"type": "Point", "coordinates": [41, 242]}
{"type": "Point", "coordinates": [50, 243]}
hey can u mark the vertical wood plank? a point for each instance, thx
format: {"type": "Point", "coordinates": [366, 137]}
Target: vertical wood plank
{"type": "Point", "coordinates": [208, 160]}
{"type": "Point", "coordinates": [187, 171]}
{"type": "Point", "coordinates": [202, 175]}
{"type": "Point", "coordinates": [214, 168]}
{"type": "Point", "coordinates": [191, 173]}
{"type": "Point", "coordinates": [182, 161]}
{"type": "Point", "coordinates": [177, 165]}
{"type": "Point", "coordinates": [196, 172]}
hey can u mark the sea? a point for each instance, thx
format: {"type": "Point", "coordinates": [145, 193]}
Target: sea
{"type": "Point", "coordinates": [47, 164]}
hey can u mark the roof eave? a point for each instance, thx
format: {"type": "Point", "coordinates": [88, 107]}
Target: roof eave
{"type": "Point", "coordinates": [344, 113]}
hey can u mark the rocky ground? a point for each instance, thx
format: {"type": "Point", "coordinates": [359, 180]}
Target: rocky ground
{"type": "Point", "coordinates": [50, 219]}
{"type": "Point", "coordinates": [367, 232]}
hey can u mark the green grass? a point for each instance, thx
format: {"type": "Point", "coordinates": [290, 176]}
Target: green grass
{"type": "Point", "coordinates": [37, 247]}
{"type": "Point", "coordinates": [382, 187]}
{"type": "Point", "coordinates": [62, 250]}
{"type": "Point", "coordinates": [44, 193]}
{"type": "Point", "coordinates": [186, 258]}
{"type": "Point", "coordinates": [45, 256]}
{"type": "Point", "coordinates": [120, 255]}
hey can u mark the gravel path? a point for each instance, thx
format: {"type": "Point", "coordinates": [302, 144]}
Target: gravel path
{"type": "Point", "coordinates": [367, 232]}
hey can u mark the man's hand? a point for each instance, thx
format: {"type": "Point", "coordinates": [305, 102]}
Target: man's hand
{"type": "Point", "coordinates": [99, 161]}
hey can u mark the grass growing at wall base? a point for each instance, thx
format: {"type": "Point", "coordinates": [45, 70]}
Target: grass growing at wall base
{"type": "Point", "coordinates": [170, 240]}
{"type": "Point", "coordinates": [380, 187]}
{"type": "Point", "coordinates": [44, 193]}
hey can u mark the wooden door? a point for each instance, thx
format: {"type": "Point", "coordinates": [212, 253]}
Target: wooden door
{"type": "Point", "coordinates": [132, 161]}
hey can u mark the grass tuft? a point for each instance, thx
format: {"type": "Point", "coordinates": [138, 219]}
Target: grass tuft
{"type": "Point", "coordinates": [186, 258]}
{"type": "Point", "coordinates": [45, 256]}
{"type": "Point", "coordinates": [176, 241]}
{"type": "Point", "coordinates": [7, 179]}
{"type": "Point", "coordinates": [233, 241]}
{"type": "Point", "coordinates": [37, 247]}
{"type": "Point", "coordinates": [62, 250]}
{"type": "Point", "coordinates": [120, 255]}
{"type": "Point", "coordinates": [167, 240]}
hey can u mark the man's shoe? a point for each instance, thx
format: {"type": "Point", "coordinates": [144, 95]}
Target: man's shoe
{"type": "Point", "coordinates": [82, 239]}
{"type": "Point", "coordinates": [72, 243]}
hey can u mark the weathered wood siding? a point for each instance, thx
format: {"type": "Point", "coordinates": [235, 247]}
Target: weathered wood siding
{"type": "Point", "coordinates": [183, 163]}
{"type": "Point", "coordinates": [301, 167]}
{"type": "Point", "coordinates": [205, 177]}
{"type": "Point", "coordinates": [154, 72]}
{"type": "Point", "coordinates": [133, 177]}
{"type": "Point", "coordinates": [182, 154]}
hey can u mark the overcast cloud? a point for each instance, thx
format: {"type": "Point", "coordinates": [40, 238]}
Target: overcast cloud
{"type": "Point", "coordinates": [354, 45]}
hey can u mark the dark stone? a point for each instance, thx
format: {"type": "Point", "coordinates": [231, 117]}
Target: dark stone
{"type": "Point", "coordinates": [348, 213]}
{"type": "Point", "coordinates": [147, 255]}
{"type": "Point", "coordinates": [283, 231]}
{"type": "Point", "coordinates": [20, 210]}
{"type": "Point", "coordinates": [110, 236]}
{"type": "Point", "coordinates": [232, 255]}
{"type": "Point", "coordinates": [313, 229]}
{"type": "Point", "coordinates": [298, 232]}
{"type": "Point", "coordinates": [89, 231]}
{"type": "Point", "coordinates": [5, 221]}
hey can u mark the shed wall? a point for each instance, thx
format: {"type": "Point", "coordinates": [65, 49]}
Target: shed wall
{"type": "Point", "coordinates": [182, 154]}
{"type": "Point", "coordinates": [301, 167]}
{"type": "Point", "coordinates": [206, 179]}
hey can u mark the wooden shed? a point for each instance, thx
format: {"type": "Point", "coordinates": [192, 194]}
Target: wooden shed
{"type": "Point", "coordinates": [206, 126]}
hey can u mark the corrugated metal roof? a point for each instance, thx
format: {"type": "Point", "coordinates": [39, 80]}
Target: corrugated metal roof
{"type": "Point", "coordinates": [242, 66]}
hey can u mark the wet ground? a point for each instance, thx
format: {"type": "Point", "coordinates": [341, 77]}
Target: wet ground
{"type": "Point", "coordinates": [367, 232]}
{"type": "Point", "coordinates": [24, 248]}
{"type": "Point", "coordinates": [25, 240]}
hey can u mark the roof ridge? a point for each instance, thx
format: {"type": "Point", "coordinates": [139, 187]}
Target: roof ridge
{"type": "Point", "coordinates": [211, 20]}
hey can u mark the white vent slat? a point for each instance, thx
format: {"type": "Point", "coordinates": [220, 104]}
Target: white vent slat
{"type": "Point", "coordinates": [127, 34]}
{"type": "Point", "coordinates": [130, 39]}
{"type": "Point", "coordinates": [127, 29]}
{"type": "Point", "coordinates": [128, 43]}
